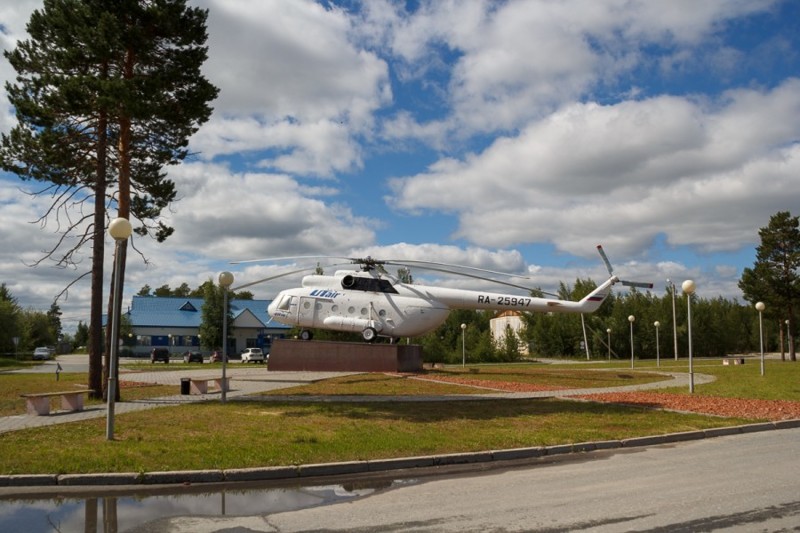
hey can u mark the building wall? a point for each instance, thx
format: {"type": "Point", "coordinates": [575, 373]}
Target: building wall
{"type": "Point", "coordinates": [498, 327]}
{"type": "Point", "coordinates": [180, 340]}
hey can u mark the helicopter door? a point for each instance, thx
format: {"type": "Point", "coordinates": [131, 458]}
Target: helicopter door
{"type": "Point", "coordinates": [307, 312]}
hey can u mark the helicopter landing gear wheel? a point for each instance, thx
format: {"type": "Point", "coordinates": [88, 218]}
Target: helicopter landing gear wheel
{"type": "Point", "coordinates": [369, 334]}
{"type": "Point", "coordinates": [306, 335]}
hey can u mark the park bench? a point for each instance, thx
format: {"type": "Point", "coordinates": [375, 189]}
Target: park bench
{"type": "Point", "coordinates": [200, 385]}
{"type": "Point", "coordinates": [39, 403]}
{"type": "Point", "coordinates": [733, 360]}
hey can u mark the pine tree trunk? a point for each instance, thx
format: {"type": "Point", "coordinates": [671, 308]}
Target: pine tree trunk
{"type": "Point", "coordinates": [98, 250]}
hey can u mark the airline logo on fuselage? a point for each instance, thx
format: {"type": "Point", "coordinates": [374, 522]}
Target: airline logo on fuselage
{"type": "Point", "coordinates": [324, 293]}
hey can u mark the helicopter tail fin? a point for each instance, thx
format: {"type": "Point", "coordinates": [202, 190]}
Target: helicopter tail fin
{"type": "Point", "coordinates": [592, 301]}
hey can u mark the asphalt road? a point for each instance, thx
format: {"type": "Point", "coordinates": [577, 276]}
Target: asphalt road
{"type": "Point", "coordinates": [742, 483]}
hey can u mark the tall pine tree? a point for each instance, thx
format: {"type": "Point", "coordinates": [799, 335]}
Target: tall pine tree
{"type": "Point", "coordinates": [774, 277]}
{"type": "Point", "coordinates": [107, 94]}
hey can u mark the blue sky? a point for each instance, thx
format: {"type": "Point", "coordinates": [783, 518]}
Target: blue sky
{"type": "Point", "coordinates": [512, 136]}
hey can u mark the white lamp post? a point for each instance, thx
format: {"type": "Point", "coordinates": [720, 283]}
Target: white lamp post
{"type": "Point", "coordinates": [119, 229]}
{"type": "Point", "coordinates": [689, 287]}
{"type": "Point", "coordinates": [658, 353]}
{"type": "Point", "coordinates": [631, 319]}
{"type": "Point", "coordinates": [608, 332]}
{"type": "Point", "coordinates": [225, 281]}
{"type": "Point", "coordinates": [463, 345]}
{"type": "Point", "coordinates": [760, 308]}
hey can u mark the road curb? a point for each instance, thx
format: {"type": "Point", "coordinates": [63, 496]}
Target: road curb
{"type": "Point", "coordinates": [377, 465]}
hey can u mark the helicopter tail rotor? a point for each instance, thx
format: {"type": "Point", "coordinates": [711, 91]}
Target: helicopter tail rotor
{"type": "Point", "coordinates": [638, 284]}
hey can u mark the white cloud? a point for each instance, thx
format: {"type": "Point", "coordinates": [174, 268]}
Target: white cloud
{"type": "Point", "coordinates": [625, 173]}
{"type": "Point", "coordinates": [520, 60]}
{"type": "Point", "coordinates": [291, 83]}
{"type": "Point", "coordinates": [232, 216]}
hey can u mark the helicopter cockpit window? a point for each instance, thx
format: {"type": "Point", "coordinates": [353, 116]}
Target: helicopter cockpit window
{"type": "Point", "coordinates": [286, 300]}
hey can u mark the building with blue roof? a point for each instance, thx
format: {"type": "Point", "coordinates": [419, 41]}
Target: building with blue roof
{"type": "Point", "coordinates": [174, 322]}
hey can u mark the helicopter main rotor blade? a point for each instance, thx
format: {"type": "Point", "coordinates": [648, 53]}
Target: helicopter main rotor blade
{"type": "Point", "coordinates": [284, 274]}
{"type": "Point", "coordinates": [289, 258]}
{"type": "Point", "coordinates": [417, 262]}
{"type": "Point", "coordinates": [483, 278]}
{"type": "Point", "coordinates": [277, 276]}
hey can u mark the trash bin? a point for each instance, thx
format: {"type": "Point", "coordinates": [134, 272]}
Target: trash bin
{"type": "Point", "coordinates": [185, 385]}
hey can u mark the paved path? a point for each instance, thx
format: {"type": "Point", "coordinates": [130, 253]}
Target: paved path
{"type": "Point", "coordinates": [249, 380]}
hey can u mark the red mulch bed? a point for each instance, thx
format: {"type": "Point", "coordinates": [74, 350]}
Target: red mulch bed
{"type": "Point", "coordinates": [710, 405]}
{"type": "Point", "coordinates": [134, 384]}
{"type": "Point", "coordinates": [735, 407]}
{"type": "Point", "coordinates": [505, 386]}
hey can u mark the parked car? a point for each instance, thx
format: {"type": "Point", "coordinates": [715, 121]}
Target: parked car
{"type": "Point", "coordinates": [41, 354]}
{"type": "Point", "coordinates": [253, 354]}
{"type": "Point", "coordinates": [159, 354]}
{"type": "Point", "coordinates": [192, 357]}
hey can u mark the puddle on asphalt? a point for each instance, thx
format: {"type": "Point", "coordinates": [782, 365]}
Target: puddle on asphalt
{"type": "Point", "coordinates": [101, 512]}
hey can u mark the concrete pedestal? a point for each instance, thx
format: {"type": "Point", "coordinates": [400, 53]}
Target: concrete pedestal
{"type": "Point", "coordinates": [296, 355]}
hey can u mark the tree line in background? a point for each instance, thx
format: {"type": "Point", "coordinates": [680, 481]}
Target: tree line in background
{"type": "Point", "coordinates": [30, 328]}
{"type": "Point", "coordinates": [720, 326]}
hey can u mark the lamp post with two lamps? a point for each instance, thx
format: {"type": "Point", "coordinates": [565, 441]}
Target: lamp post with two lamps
{"type": "Point", "coordinates": [225, 281]}
{"type": "Point", "coordinates": [689, 287]}
{"type": "Point", "coordinates": [119, 229]}
{"type": "Point", "coordinates": [631, 319]}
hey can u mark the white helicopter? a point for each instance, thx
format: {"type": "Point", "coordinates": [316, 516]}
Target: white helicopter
{"type": "Point", "coordinates": [375, 303]}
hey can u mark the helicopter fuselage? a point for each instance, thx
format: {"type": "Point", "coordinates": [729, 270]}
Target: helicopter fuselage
{"type": "Point", "coordinates": [366, 302]}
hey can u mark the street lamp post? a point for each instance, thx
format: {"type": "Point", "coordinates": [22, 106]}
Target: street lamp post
{"type": "Point", "coordinates": [225, 281]}
{"type": "Point", "coordinates": [789, 342]}
{"type": "Point", "coordinates": [119, 229]}
{"type": "Point", "coordinates": [760, 308]}
{"type": "Point", "coordinates": [631, 319]}
{"type": "Point", "coordinates": [689, 287]}
{"type": "Point", "coordinates": [463, 345]}
{"type": "Point", "coordinates": [608, 332]}
{"type": "Point", "coordinates": [658, 353]}
{"type": "Point", "coordinates": [674, 321]}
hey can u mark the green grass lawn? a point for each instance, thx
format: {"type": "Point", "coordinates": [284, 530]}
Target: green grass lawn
{"type": "Point", "coordinates": [249, 432]}
{"type": "Point", "coordinates": [242, 434]}
{"type": "Point", "coordinates": [382, 384]}
{"type": "Point", "coordinates": [781, 379]}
